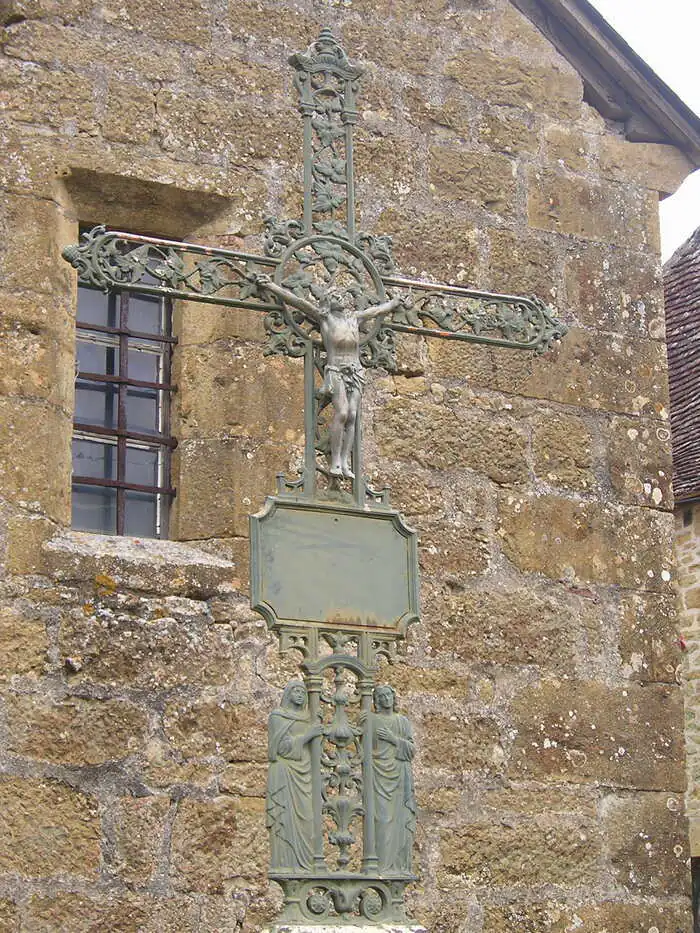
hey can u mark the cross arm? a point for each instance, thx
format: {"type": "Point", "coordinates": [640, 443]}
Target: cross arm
{"type": "Point", "coordinates": [111, 259]}
{"type": "Point", "coordinates": [456, 313]}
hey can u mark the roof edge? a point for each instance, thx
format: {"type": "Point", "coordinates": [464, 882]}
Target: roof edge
{"type": "Point", "coordinates": [618, 82]}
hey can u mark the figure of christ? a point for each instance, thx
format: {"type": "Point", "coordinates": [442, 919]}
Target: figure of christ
{"type": "Point", "coordinates": [392, 783]}
{"type": "Point", "coordinates": [289, 805]}
{"type": "Point", "coordinates": [339, 323]}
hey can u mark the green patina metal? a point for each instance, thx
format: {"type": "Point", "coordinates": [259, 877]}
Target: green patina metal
{"type": "Point", "coordinates": [334, 568]}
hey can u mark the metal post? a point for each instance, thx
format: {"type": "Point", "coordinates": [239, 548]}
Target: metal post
{"type": "Point", "coordinates": [309, 421]}
{"type": "Point", "coordinates": [370, 862]}
{"type": "Point", "coordinates": [314, 683]}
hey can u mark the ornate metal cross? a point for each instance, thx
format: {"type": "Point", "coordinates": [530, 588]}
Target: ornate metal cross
{"type": "Point", "coordinates": [335, 575]}
{"type": "Point", "coordinates": [330, 293]}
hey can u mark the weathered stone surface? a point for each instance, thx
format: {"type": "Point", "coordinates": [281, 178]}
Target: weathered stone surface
{"type": "Point", "coordinates": [9, 917]}
{"type": "Point", "coordinates": [649, 637]}
{"type": "Point", "coordinates": [509, 131]}
{"type": "Point", "coordinates": [23, 641]}
{"type": "Point", "coordinates": [26, 535]}
{"type": "Point", "coordinates": [234, 731]}
{"type": "Point", "coordinates": [611, 288]}
{"type": "Point", "coordinates": [513, 626]}
{"type": "Point", "coordinates": [244, 779]}
{"type": "Point", "coordinates": [583, 732]}
{"type": "Point", "coordinates": [129, 113]}
{"type": "Point", "coordinates": [48, 828]}
{"type": "Point", "coordinates": [217, 840]}
{"type": "Point", "coordinates": [639, 461]}
{"type": "Point", "coordinates": [460, 744]}
{"type": "Point", "coordinates": [234, 390]}
{"type": "Point", "coordinates": [661, 168]}
{"type": "Point", "coordinates": [594, 542]}
{"type": "Point", "coordinates": [588, 918]}
{"type": "Point", "coordinates": [421, 248]}
{"type": "Point", "coordinates": [532, 850]}
{"type": "Point", "coordinates": [77, 731]}
{"type": "Point", "coordinates": [200, 324]}
{"type": "Point", "coordinates": [568, 147]}
{"type": "Point", "coordinates": [510, 82]}
{"type": "Point", "coordinates": [223, 481]}
{"type": "Point", "coordinates": [647, 841]}
{"type": "Point", "coordinates": [523, 266]}
{"type": "Point", "coordinates": [483, 180]}
{"type": "Point", "coordinates": [28, 430]}
{"type": "Point", "coordinates": [592, 211]}
{"type": "Point", "coordinates": [165, 568]}
{"type": "Point", "coordinates": [562, 449]}
{"type": "Point", "coordinates": [138, 831]}
{"type": "Point", "coordinates": [586, 370]}
{"type": "Point", "coordinates": [171, 642]}
{"type": "Point", "coordinates": [436, 436]}
{"type": "Point", "coordinates": [38, 366]}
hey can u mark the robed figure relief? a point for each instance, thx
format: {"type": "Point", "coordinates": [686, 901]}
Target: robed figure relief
{"type": "Point", "coordinates": [392, 781]}
{"type": "Point", "coordinates": [289, 799]}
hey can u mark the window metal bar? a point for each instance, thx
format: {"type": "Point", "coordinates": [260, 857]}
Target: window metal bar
{"type": "Point", "coordinates": [121, 421]}
{"type": "Point", "coordinates": [122, 484]}
{"type": "Point", "coordinates": [152, 440]}
{"type": "Point", "coordinates": [138, 334]}
{"type": "Point", "coordinates": [102, 377]}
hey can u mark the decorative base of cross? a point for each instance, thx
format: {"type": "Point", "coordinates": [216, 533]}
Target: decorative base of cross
{"type": "Point", "coordinates": [346, 928]}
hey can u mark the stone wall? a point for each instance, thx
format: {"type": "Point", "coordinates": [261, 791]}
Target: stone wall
{"type": "Point", "coordinates": [542, 680]}
{"type": "Point", "coordinates": [688, 560]}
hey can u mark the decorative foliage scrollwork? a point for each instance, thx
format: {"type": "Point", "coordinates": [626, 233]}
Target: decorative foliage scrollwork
{"type": "Point", "coordinates": [477, 317]}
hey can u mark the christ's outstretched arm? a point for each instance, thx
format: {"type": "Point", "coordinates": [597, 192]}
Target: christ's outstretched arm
{"type": "Point", "coordinates": [263, 281]}
{"type": "Point", "coordinates": [378, 310]}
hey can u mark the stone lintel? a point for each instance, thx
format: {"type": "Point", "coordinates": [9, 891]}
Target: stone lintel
{"type": "Point", "coordinates": [345, 928]}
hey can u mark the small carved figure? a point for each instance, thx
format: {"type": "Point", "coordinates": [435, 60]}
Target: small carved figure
{"type": "Point", "coordinates": [339, 323]}
{"type": "Point", "coordinates": [289, 801]}
{"type": "Point", "coordinates": [392, 781]}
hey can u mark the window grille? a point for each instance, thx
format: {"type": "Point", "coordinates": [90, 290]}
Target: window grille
{"type": "Point", "coordinates": [121, 429]}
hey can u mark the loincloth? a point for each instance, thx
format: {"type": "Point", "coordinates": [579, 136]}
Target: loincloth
{"type": "Point", "coordinates": [351, 376]}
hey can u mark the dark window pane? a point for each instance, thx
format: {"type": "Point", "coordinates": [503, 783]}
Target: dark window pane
{"type": "Point", "coordinates": [95, 509]}
{"type": "Point", "coordinates": [145, 364]}
{"type": "Point", "coordinates": [142, 466]}
{"type": "Point", "coordinates": [95, 459]}
{"type": "Point", "coordinates": [96, 403]}
{"type": "Point", "coordinates": [145, 314]}
{"type": "Point", "coordinates": [96, 308]}
{"type": "Point", "coordinates": [140, 514]}
{"type": "Point", "coordinates": [142, 410]}
{"type": "Point", "coordinates": [97, 358]}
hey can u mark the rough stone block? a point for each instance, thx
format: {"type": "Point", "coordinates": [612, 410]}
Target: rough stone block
{"type": "Point", "coordinates": [638, 454]}
{"type": "Point", "coordinates": [222, 482]}
{"type": "Point", "coordinates": [585, 732]}
{"type": "Point", "coordinates": [589, 210]}
{"type": "Point", "coordinates": [562, 450]}
{"type": "Point", "coordinates": [647, 841]}
{"type": "Point", "coordinates": [9, 917]}
{"type": "Point", "coordinates": [28, 430]}
{"type": "Point", "coordinates": [436, 436]}
{"type": "Point", "coordinates": [130, 112]}
{"type": "Point", "coordinates": [74, 731]}
{"type": "Point", "coordinates": [522, 265]}
{"type": "Point", "coordinates": [171, 643]}
{"type": "Point", "coordinates": [393, 162]}
{"type": "Point", "coordinates": [234, 390]}
{"type": "Point", "coordinates": [649, 637]}
{"type": "Point", "coordinates": [511, 82]}
{"type": "Point", "coordinates": [594, 542]}
{"type": "Point", "coordinates": [36, 365]}
{"type": "Point", "coordinates": [611, 288]}
{"type": "Point", "coordinates": [217, 840]}
{"type": "Point", "coordinates": [510, 131]}
{"type": "Point", "coordinates": [138, 832]}
{"type": "Point", "coordinates": [660, 168]}
{"type": "Point", "coordinates": [568, 147]}
{"type": "Point", "coordinates": [484, 180]}
{"type": "Point", "coordinates": [421, 247]}
{"type": "Point", "coordinates": [29, 258]}
{"type": "Point", "coordinates": [48, 828]}
{"type": "Point", "coordinates": [265, 22]}
{"type": "Point", "coordinates": [216, 727]}
{"type": "Point", "coordinates": [543, 849]}
{"type": "Point", "coordinates": [513, 625]}
{"type": "Point", "coordinates": [53, 98]}
{"type": "Point", "coordinates": [23, 641]}
{"type": "Point", "coordinates": [459, 744]}
{"type": "Point", "coordinates": [197, 324]}
{"type": "Point", "coordinates": [588, 918]}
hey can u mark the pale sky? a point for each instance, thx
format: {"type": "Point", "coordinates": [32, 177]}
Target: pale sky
{"type": "Point", "coordinates": [666, 34]}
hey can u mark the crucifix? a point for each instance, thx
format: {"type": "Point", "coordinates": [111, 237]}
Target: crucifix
{"type": "Point", "coordinates": [334, 568]}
